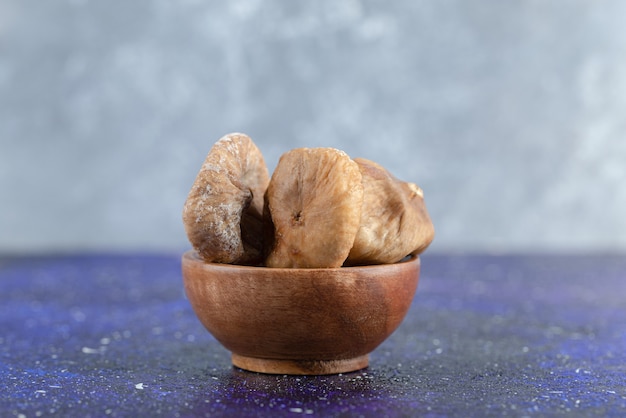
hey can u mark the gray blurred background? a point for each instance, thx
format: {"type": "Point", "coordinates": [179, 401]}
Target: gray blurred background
{"type": "Point", "coordinates": [510, 115]}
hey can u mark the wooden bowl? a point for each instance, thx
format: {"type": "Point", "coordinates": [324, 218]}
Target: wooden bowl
{"type": "Point", "coordinates": [300, 321]}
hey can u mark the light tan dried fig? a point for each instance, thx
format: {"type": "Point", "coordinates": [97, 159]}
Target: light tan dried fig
{"type": "Point", "coordinates": [314, 199]}
{"type": "Point", "coordinates": [223, 211]}
{"type": "Point", "coordinates": [394, 220]}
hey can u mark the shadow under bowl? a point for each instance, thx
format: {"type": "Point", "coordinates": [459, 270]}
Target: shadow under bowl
{"type": "Point", "coordinates": [300, 321]}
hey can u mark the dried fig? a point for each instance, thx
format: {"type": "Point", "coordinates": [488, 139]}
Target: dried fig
{"type": "Point", "coordinates": [314, 199]}
{"type": "Point", "coordinates": [394, 221]}
{"type": "Point", "coordinates": [224, 209]}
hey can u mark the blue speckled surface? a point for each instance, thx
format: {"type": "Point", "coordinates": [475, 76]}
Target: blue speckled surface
{"type": "Point", "coordinates": [113, 335]}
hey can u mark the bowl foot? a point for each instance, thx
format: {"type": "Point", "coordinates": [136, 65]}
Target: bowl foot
{"type": "Point", "coordinates": [300, 367]}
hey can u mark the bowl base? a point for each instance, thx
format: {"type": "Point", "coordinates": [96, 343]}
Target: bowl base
{"type": "Point", "coordinates": [300, 367]}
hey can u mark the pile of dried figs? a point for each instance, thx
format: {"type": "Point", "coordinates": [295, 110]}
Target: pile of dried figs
{"type": "Point", "coordinates": [319, 209]}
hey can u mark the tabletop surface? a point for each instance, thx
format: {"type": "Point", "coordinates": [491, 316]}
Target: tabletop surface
{"type": "Point", "coordinates": [487, 335]}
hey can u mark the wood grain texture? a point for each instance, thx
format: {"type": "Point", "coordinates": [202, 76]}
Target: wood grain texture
{"type": "Point", "coordinates": [300, 321]}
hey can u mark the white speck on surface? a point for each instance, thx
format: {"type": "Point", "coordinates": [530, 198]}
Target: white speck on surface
{"type": "Point", "coordinates": [139, 386]}
{"type": "Point", "coordinates": [78, 315]}
{"type": "Point", "coordinates": [296, 410]}
{"type": "Point", "coordinates": [89, 350]}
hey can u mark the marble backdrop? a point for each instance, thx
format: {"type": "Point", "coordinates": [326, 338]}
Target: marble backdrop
{"type": "Point", "coordinates": [510, 115]}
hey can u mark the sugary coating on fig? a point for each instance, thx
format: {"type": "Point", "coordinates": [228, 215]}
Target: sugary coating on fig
{"type": "Point", "coordinates": [314, 199]}
{"type": "Point", "coordinates": [223, 211]}
{"type": "Point", "coordinates": [394, 220]}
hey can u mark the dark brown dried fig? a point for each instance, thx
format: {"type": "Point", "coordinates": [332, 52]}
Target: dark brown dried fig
{"type": "Point", "coordinates": [394, 220]}
{"type": "Point", "coordinates": [314, 199]}
{"type": "Point", "coordinates": [223, 212]}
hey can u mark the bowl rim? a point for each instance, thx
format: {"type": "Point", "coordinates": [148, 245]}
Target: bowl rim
{"type": "Point", "coordinates": [192, 256]}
